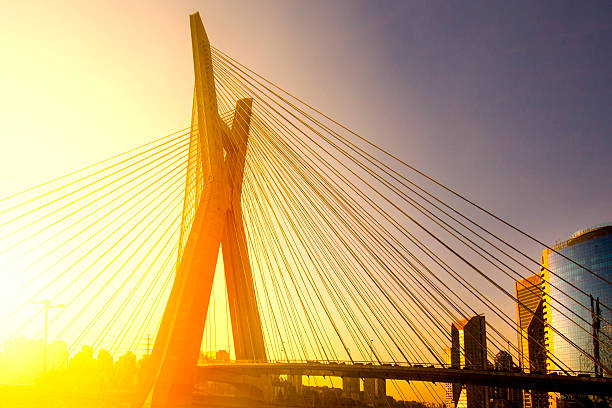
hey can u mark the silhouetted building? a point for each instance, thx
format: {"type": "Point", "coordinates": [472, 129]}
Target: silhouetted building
{"type": "Point", "coordinates": [502, 396]}
{"type": "Point", "coordinates": [22, 361]}
{"type": "Point", "coordinates": [469, 351]}
{"type": "Point", "coordinates": [532, 350]}
{"type": "Point", "coordinates": [452, 390]}
{"type": "Point", "coordinates": [503, 361]}
{"type": "Point", "coordinates": [222, 355]}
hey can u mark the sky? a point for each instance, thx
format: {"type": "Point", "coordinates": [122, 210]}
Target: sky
{"type": "Point", "coordinates": [508, 103]}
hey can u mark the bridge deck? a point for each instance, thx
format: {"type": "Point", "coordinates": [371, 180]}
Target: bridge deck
{"type": "Point", "coordinates": [232, 372]}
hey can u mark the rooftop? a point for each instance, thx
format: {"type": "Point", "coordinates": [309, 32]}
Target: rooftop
{"type": "Point", "coordinates": [585, 234]}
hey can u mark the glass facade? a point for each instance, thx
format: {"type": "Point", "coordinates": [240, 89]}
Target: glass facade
{"type": "Point", "coordinates": [593, 249]}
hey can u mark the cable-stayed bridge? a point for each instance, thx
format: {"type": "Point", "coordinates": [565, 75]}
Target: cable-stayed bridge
{"type": "Point", "coordinates": [271, 229]}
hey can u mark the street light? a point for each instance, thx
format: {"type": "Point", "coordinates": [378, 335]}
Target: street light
{"type": "Point", "coordinates": [46, 306]}
{"type": "Point", "coordinates": [285, 351]}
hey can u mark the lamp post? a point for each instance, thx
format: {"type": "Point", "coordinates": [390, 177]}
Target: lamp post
{"type": "Point", "coordinates": [46, 306]}
{"type": "Point", "coordinates": [285, 351]}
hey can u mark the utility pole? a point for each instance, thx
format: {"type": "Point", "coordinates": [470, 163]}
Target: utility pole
{"type": "Point", "coordinates": [596, 326]}
{"type": "Point", "coordinates": [46, 306]}
{"type": "Point", "coordinates": [148, 345]}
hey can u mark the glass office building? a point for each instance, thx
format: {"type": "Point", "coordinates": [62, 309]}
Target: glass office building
{"type": "Point", "coordinates": [564, 280]}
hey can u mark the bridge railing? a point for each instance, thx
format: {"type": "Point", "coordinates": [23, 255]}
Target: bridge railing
{"type": "Point", "coordinates": [393, 364]}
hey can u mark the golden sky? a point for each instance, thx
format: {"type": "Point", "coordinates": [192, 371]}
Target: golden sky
{"type": "Point", "coordinates": [81, 82]}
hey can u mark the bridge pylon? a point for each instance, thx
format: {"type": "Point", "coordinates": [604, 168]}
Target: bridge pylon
{"type": "Point", "coordinates": [217, 222]}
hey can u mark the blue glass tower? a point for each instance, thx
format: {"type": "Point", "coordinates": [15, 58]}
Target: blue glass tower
{"type": "Point", "coordinates": [564, 281]}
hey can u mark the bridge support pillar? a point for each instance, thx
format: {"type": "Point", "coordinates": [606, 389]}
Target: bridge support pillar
{"type": "Point", "coordinates": [217, 222]}
{"type": "Point", "coordinates": [295, 382]}
{"type": "Point", "coordinates": [351, 387]}
{"type": "Point", "coordinates": [374, 389]}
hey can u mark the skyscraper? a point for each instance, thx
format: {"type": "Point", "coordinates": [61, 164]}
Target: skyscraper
{"type": "Point", "coordinates": [530, 318]}
{"type": "Point", "coordinates": [565, 284]}
{"type": "Point", "coordinates": [451, 390]}
{"type": "Point", "coordinates": [572, 290]}
{"type": "Point", "coordinates": [469, 351]}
